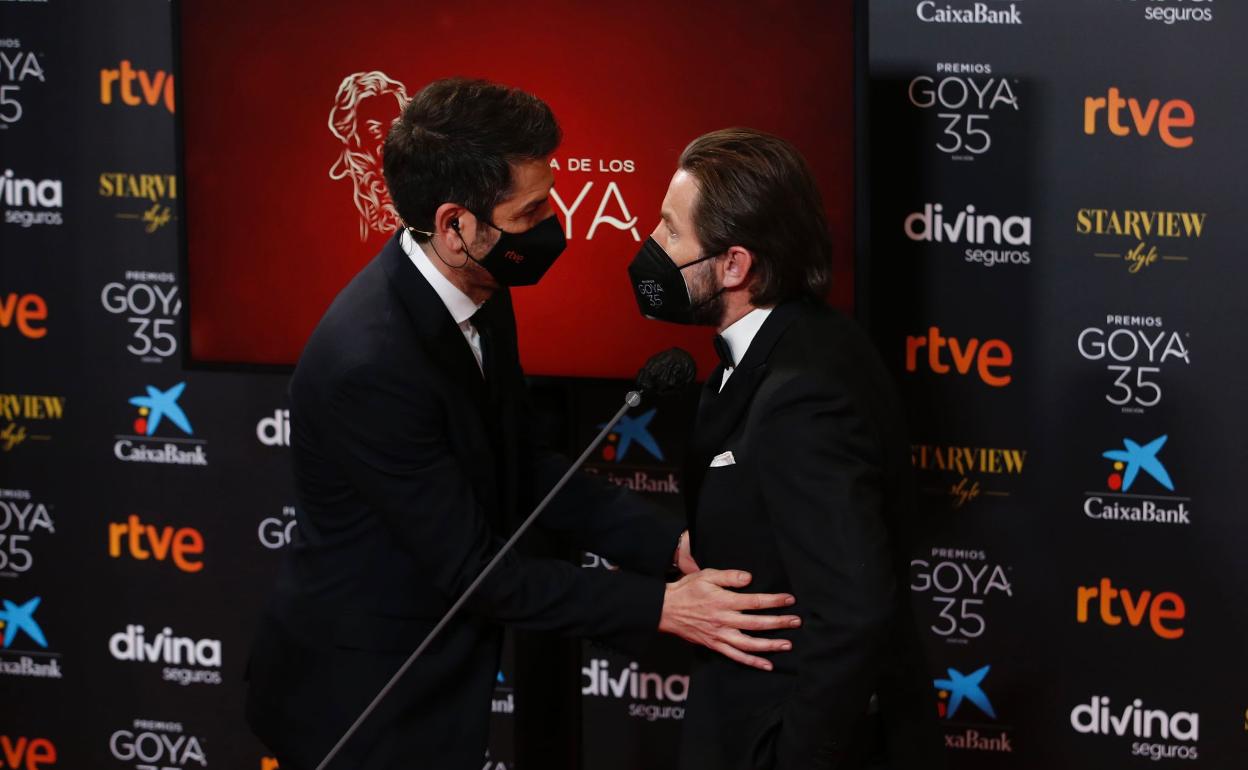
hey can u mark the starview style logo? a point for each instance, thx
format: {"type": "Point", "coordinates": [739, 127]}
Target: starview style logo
{"type": "Point", "coordinates": [23, 414]}
{"type": "Point", "coordinates": [155, 408]}
{"type": "Point", "coordinates": [631, 432]}
{"type": "Point", "coordinates": [956, 693]}
{"type": "Point", "coordinates": [1140, 239]}
{"type": "Point", "coordinates": [146, 198]}
{"type": "Point", "coordinates": [1135, 487]}
{"type": "Point", "coordinates": [975, 471]}
{"type": "Point", "coordinates": [18, 623]}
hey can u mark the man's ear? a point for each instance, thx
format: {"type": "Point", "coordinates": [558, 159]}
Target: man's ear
{"type": "Point", "coordinates": [449, 223]}
{"type": "Point", "coordinates": [736, 264]}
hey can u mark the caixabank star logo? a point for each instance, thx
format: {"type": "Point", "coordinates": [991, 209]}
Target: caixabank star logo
{"type": "Point", "coordinates": [156, 409]}
{"type": "Point", "coordinates": [25, 650]}
{"type": "Point", "coordinates": [647, 470]}
{"type": "Point", "coordinates": [1138, 487]}
{"type": "Point", "coordinates": [967, 714]}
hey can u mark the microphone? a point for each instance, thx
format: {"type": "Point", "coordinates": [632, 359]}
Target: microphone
{"type": "Point", "coordinates": [664, 373]}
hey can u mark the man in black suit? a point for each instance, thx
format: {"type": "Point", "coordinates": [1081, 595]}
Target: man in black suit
{"type": "Point", "coordinates": [798, 471]}
{"type": "Point", "coordinates": [415, 457]}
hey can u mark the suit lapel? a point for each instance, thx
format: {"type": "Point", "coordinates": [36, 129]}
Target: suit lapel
{"type": "Point", "coordinates": [434, 324]}
{"type": "Point", "coordinates": [720, 412]}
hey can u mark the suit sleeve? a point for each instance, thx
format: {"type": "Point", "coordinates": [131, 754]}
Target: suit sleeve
{"type": "Point", "coordinates": [821, 477]}
{"type": "Point", "coordinates": [391, 436]}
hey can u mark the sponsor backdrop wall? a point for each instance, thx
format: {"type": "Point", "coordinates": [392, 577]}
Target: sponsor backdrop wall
{"type": "Point", "coordinates": [1052, 274]}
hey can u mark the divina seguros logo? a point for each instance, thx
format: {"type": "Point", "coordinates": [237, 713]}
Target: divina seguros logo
{"type": "Point", "coordinates": [1180, 730]}
{"type": "Point", "coordinates": [653, 695]}
{"type": "Point", "coordinates": [30, 202]}
{"type": "Point", "coordinates": [155, 408]}
{"type": "Point", "coordinates": [993, 240]}
{"type": "Point", "coordinates": [187, 661]}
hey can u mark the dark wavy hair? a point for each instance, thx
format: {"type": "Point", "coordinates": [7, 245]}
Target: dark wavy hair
{"type": "Point", "coordinates": [756, 191]}
{"type": "Point", "coordinates": [455, 143]}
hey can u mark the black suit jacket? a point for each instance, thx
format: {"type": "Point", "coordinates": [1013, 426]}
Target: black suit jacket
{"type": "Point", "coordinates": [411, 469]}
{"type": "Point", "coordinates": [817, 503]}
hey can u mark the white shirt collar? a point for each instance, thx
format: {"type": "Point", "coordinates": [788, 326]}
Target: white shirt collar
{"type": "Point", "coordinates": [457, 303]}
{"type": "Point", "coordinates": [741, 333]}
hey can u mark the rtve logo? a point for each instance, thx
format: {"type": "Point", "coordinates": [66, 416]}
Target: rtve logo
{"type": "Point", "coordinates": [1160, 608]}
{"type": "Point", "coordinates": [991, 359]}
{"type": "Point", "coordinates": [1174, 114]}
{"type": "Point", "coordinates": [23, 753]}
{"type": "Point", "coordinates": [144, 541]}
{"type": "Point", "coordinates": [24, 311]}
{"type": "Point", "coordinates": [152, 88]}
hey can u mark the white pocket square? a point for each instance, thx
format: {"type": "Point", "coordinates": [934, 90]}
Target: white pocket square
{"type": "Point", "coordinates": [725, 458]}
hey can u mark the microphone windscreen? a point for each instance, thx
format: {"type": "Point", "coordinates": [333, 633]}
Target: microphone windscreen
{"type": "Point", "coordinates": [667, 372]}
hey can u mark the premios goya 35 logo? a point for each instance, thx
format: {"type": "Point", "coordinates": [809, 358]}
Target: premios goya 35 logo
{"type": "Point", "coordinates": [156, 408]}
{"type": "Point", "coordinates": [25, 650]}
{"type": "Point", "coordinates": [20, 69]}
{"type": "Point", "coordinates": [964, 97]}
{"type": "Point", "coordinates": [1138, 487]}
{"type": "Point", "coordinates": [960, 583]}
{"type": "Point", "coordinates": [1136, 351]}
{"type": "Point", "coordinates": [962, 705]}
{"type": "Point", "coordinates": [150, 304]}
{"type": "Point", "coordinates": [22, 518]}
{"type": "Point", "coordinates": [149, 744]}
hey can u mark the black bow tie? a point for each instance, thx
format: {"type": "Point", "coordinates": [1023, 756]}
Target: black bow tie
{"type": "Point", "coordinates": [724, 352]}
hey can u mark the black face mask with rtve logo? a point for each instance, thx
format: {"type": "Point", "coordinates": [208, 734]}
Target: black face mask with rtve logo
{"type": "Point", "coordinates": [521, 259]}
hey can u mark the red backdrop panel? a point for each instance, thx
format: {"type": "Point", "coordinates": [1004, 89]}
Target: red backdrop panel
{"type": "Point", "coordinates": [280, 155]}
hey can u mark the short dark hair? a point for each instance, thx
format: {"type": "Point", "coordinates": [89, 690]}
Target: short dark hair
{"type": "Point", "coordinates": [455, 142]}
{"type": "Point", "coordinates": [756, 191]}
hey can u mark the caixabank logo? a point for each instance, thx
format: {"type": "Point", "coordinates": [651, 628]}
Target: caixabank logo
{"type": "Point", "coordinates": [966, 713]}
{"type": "Point", "coordinates": [961, 583]}
{"type": "Point", "coordinates": [1155, 734]}
{"type": "Point", "coordinates": [150, 744]}
{"type": "Point", "coordinates": [1136, 350]}
{"type": "Point", "coordinates": [28, 418]}
{"type": "Point", "coordinates": [20, 752]}
{"type": "Point", "coordinates": [21, 70]}
{"type": "Point", "coordinates": [651, 696]}
{"type": "Point", "coordinates": [31, 202]}
{"type": "Point", "coordinates": [964, 474]}
{"type": "Point", "coordinates": [964, 99]}
{"type": "Point", "coordinates": [984, 239]}
{"type": "Point", "coordinates": [632, 457]}
{"type": "Point", "coordinates": [25, 523]}
{"type": "Point", "coordinates": [993, 13]}
{"type": "Point", "coordinates": [154, 410]}
{"type": "Point", "coordinates": [147, 199]}
{"type": "Point", "coordinates": [989, 360]}
{"type": "Point", "coordinates": [149, 303]}
{"type": "Point", "coordinates": [1171, 122]}
{"type": "Point", "coordinates": [1138, 240]}
{"type": "Point", "coordinates": [25, 649]}
{"type": "Point", "coordinates": [1138, 488]}
{"type": "Point", "coordinates": [181, 659]}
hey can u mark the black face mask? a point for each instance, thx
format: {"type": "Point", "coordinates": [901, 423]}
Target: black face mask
{"type": "Point", "coordinates": [521, 259]}
{"type": "Point", "coordinates": [660, 287]}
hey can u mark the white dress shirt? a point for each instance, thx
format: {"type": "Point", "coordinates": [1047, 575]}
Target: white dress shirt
{"type": "Point", "coordinates": [457, 303]}
{"type": "Point", "coordinates": [740, 335]}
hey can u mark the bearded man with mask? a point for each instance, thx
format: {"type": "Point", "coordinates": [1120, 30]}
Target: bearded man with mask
{"type": "Point", "coordinates": [415, 457]}
{"type": "Point", "coordinates": [798, 471]}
